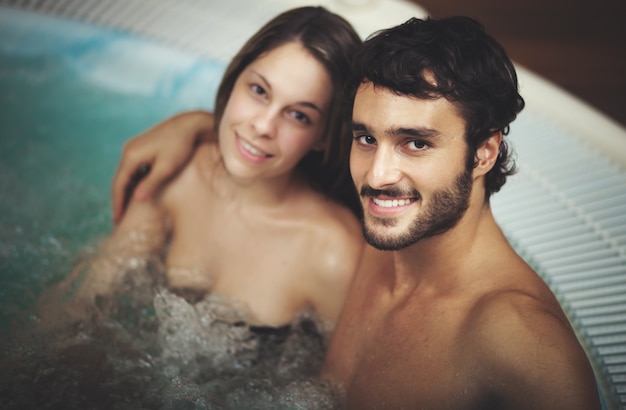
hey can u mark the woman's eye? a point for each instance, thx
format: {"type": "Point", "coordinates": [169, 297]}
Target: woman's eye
{"type": "Point", "coordinates": [257, 89]}
{"type": "Point", "coordinates": [301, 117]}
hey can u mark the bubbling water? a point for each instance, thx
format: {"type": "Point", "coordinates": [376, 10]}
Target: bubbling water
{"type": "Point", "coordinates": [148, 347]}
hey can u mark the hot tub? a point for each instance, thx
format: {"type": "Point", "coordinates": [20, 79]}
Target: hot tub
{"type": "Point", "coordinates": [85, 76]}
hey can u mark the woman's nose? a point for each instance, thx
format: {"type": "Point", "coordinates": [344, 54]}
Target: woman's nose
{"type": "Point", "coordinates": [264, 122]}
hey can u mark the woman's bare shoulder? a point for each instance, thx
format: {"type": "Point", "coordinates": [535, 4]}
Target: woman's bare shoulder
{"type": "Point", "coordinates": [337, 238]}
{"type": "Point", "coordinates": [328, 214]}
{"type": "Point", "coordinates": [333, 252]}
{"type": "Point", "coordinates": [338, 230]}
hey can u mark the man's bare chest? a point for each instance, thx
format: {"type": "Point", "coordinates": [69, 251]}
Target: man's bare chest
{"type": "Point", "coordinates": [409, 356]}
{"type": "Point", "coordinates": [425, 373]}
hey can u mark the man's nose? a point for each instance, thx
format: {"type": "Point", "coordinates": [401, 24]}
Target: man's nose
{"type": "Point", "coordinates": [384, 170]}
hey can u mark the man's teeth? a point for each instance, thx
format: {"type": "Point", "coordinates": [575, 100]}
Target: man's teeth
{"type": "Point", "coordinates": [252, 150]}
{"type": "Point", "coordinates": [389, 203]}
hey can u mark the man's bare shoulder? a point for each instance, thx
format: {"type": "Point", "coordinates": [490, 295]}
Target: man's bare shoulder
{"type": "Point", "coordinates": [515, 314]}
{"type": "Point", "coordinates": [520, 341]}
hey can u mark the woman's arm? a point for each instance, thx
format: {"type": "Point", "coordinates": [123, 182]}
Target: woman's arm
{"type": "Point", "coordinates": [123, 258]}
{"type": "Point", "coordinates": [141, 235]}
{"type": "Point", "coordinates": [158, 154]}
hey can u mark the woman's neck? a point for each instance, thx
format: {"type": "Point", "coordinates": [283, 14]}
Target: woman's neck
{"type": "Point", "coordinates": [261, 192]}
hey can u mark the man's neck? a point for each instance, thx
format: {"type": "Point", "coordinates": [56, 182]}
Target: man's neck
{"type": "Point", "coordinates": [439, 260]}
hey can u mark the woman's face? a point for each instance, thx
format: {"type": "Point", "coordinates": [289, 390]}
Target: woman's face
{"type": "Point", "coordinates": [276, 113]}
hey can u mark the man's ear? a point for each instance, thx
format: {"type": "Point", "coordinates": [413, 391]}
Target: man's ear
{"type": "Point", "coordinates": [487, 154]}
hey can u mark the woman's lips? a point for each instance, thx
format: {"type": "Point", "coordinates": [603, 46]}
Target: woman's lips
{"type": "Point", "coordinates": [251, 152]}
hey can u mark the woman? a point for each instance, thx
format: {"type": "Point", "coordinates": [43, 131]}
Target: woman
{"type": "Point", "coordinates": [260, 213]}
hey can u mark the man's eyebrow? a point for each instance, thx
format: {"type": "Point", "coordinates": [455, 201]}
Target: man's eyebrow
{"type": "Point", "coordinates": [269, 86]}
{"type": "Point", "coordinates": [357, 126]}
{"type": "Point", "coordinates": [420, 132]}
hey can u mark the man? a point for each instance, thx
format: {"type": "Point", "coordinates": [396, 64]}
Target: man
{"type": "Point", "coordinates": [443, 314]}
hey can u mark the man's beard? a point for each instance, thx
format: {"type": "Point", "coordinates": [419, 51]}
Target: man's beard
{"type": "Point", "coordinates": [446, 208]}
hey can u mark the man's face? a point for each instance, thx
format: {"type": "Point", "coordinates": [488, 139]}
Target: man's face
{"type": "Point", "coordinates": [408, 161]}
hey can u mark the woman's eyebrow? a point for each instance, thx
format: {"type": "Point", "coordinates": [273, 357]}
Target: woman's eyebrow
{"type": "Point", "coordinates": [262, 77]}
{"type": "Point", "coordinates": [267, 84]}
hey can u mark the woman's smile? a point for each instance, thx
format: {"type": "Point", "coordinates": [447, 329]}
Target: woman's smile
{"type": "Point", "coordinates": [250, 152]}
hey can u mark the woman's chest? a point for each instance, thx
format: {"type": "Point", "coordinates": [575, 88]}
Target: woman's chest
{"type": "Point", "coordinates": [262, 263]}
{"type": "Point", "coordinates": [222, 240]}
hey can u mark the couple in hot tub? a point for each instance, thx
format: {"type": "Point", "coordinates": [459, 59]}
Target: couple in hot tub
{"type": "Point", "coordinates": [399, 256]}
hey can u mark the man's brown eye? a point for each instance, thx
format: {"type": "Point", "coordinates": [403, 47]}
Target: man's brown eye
{"type": "Point", "coordinates": [418, 145]}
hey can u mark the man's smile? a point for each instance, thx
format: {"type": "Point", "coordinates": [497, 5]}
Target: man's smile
{"type": "Point", "coordinates": [391, 203]}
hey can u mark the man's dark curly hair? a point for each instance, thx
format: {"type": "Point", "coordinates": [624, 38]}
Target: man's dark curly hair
{"type": "Point", "coordinates": [455, 59]}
